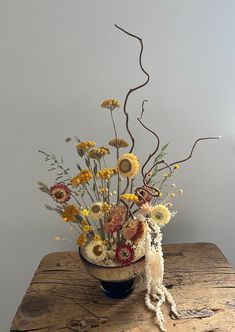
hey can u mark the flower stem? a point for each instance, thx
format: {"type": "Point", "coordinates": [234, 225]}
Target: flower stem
{"type": "Point", "coordinates": [117, 154]}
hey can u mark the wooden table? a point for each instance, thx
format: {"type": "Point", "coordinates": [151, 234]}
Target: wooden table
{"type": "Point", "coordinates": [63, 297]}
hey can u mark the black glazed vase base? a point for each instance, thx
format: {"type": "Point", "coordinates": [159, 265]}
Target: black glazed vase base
{"type": "Point", "coordinates": [117, 290]}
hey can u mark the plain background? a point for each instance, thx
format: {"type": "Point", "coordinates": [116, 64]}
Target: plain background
{"type": "Point", "coordinates": [59, 60]}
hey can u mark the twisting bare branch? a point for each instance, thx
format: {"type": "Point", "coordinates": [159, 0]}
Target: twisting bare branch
{"type": "Point", "coordinates": [136, 88]}
{"type": "Point", "coordinates": [158, 141]}
{"type": "Point", "coordinates": [191, 152]}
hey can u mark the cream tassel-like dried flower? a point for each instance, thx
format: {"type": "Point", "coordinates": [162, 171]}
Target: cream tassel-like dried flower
{"type": "Point", "coordinates": [154, 276]}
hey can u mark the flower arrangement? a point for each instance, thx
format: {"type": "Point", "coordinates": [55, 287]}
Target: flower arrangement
{"type": "Point", "coordinates": [117, 220]}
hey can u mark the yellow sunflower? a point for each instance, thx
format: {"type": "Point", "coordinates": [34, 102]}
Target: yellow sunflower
{"type": "Point", "coordinates": [160, 214]}
{"type": "Point", "coordinates": [128, 165]}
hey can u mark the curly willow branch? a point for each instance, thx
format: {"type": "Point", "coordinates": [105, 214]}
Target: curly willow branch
{"type": "Point", "coordinates": [157, 137]}
{"type": "Point", "coordinates": [136, 88]}
{"type": "Point", "coordinates": [190, 155]}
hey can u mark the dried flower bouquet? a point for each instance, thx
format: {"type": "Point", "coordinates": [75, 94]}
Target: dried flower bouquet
{"type": "Point", "coordinates": [118, 222]}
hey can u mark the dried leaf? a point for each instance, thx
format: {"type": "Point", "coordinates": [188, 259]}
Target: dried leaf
{"type": "Point", "coordinates": [49, 207]}
{"type": "Point", "coordinates": [87, 163]}
{"type": "Point", "coordinates": [95, 167]}
{"type": "Point", "coordinates": [80, 152]}
{"type": "Point", "coordinates": [79, 167]}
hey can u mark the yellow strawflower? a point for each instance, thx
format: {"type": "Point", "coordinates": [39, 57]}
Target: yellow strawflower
{"type": "Point", "coordinates": [128, 165]}
{"type": "Point", "coordinates": [160, 214]}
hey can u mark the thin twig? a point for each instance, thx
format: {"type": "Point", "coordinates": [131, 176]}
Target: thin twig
{"type": "Point", "coordinates": [137, 87]}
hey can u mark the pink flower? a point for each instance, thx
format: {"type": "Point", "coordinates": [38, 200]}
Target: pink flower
{"type": "Point", "coordinates": [114, 219]}
{"type": "Point", "coordinates": [134, 231]}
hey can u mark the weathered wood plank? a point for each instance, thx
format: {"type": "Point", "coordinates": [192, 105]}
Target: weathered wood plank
{"type": "Point", "coordinates": [63, 297]}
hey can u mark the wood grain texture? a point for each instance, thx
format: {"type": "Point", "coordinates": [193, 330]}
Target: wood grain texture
{"type": "Point", "coordinates": [63, 297]}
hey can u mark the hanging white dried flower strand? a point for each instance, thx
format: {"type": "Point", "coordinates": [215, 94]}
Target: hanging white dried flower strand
{"type": "Point", "coordinates": [154, 275]}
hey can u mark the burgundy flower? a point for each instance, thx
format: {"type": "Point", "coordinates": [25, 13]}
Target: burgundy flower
{"type": "Point", "coordinates": [124, 254]}
{"type": "Point", "coordinates": [60, 193]}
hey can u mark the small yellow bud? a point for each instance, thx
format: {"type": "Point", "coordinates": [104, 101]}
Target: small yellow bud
{"type": "Point", "coordinates": [172, 195]}
{"type": "Point", "coordinates": [173, 185]}
{"type": "Point", "coordinates": [85, 212]}
{"type": "Point", "coordinates": [56, 238]}
{"type": "Point", "coordinates": [177, 166]}
{"type": "Point", "coordinates": [181, 191]}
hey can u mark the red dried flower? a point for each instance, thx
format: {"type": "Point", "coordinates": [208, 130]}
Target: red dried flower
{"type": "Point", "coordinates": [124, 254]}
{"type": "Point", "coordinates": [60, 193]}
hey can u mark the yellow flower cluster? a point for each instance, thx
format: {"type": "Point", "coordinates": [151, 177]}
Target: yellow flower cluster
{"type": "Point", "coordinates": [85, 145]}
{"type": "Point", "coordinates": [84, 223]}
{"type": "Point", "coordinates": [86, 228]}
{"type": "Point", "coordinates": [106, 207]}
{"type": "Point", "coordinates": [118, 143]}
{"type": "Point", "coordinates": [111, 103]}
{"type": "Point", "coordinates": [98, 153]}
{"type": "Point", "coordinates": [96, 237]}
{"type": "Point", "coordinates": [70, 213]}
{"type": "Point", "coordinates": [82, 178]}
{"type": "Point", "coordinates": [85, 212]}
{"type": "Point", "coordinates": [75, 181]}
{"type": "Point", "coordinates": [130, 197]}
{"type": "Point", "coordinates": [82, 239]}
{"type": "Point", "coordinates": [106, 173]}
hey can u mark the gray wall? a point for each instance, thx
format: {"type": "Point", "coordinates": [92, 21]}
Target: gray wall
{"type": "Point", "coordinates": [59, 59]}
